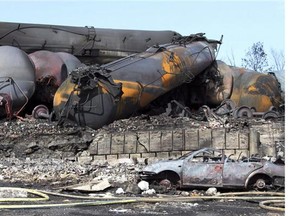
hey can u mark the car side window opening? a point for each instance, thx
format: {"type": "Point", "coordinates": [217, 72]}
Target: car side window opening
{"type": "Point", "coordinates": [207, 157]}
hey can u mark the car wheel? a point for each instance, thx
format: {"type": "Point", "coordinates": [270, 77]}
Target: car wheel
{"type": "Point", "coordinates": [166, 183]}
{"type": "Point", "coordinates": [260, 184]}
{"type": "Point", "coordinates": [168, 179]}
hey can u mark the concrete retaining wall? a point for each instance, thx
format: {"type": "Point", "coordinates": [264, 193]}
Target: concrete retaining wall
{"type": "Point", "coordinates": [263, 139]}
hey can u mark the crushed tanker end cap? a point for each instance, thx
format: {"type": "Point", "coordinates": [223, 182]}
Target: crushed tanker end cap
{"type": "Point", "coordinates": [17, 80]}
{"type": "Point", "coordinates": [96, 96]}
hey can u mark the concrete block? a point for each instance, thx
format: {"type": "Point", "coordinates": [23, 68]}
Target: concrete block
{"type": "Point", "coordinates": [135, 156]}
{"type": "Point", "coordinates": [232, 141]}
{"type": "Point", "coordinates": [205, 139]}
{"type": "Point", "coordinates": [123, 156]}
{"type": "Point", "coordinates": [163, 155]}
{"type": "Point", "coordinates": [243, 140]}
{"type": "Point", "coordinates": [104, 144]}
{"type": "Point", "coordinates": [254, 141]}
{"type": "Point", "coordinates": [218, 138]}
{"type": "Point", "coordinates": [148, 155]}
{"type": "Point", "coordinates": [166, 141]}
{"type": "Point", "coordinates": [111, 157]}
{"type": "Point", "coordinates": [155, 141]}
{"type": "Point", "coordinates": [142, 142]}
{"type": "Point", "coordinates": [178, 140]}
{"type": "Point", "coordinates": [130, 142]}
{"type": "Point", "coordinates": [117, 145]}
{"type": "Point", "coordinates": [191, 139]}
{"type": "Point", "coordinates": [99, 157]}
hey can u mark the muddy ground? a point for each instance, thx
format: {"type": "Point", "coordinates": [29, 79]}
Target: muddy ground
{"type": "Point", "coordinates": [32, 157]}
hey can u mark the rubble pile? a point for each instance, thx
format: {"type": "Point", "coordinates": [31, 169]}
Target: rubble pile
{"type": "Point", "coordinates": [19, 138]}
{"type": "Point", "coordinates": [147, 122]}
{"type": "Point", "coordinates": [57, 173]}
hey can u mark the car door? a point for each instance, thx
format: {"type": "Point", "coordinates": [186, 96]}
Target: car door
{"type": "Point", "coordinates": [202, 170]}
{"type": "Point", "coordinates": [235, 173]}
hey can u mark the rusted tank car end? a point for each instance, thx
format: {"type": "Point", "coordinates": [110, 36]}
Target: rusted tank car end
{"type": "Point", "coordinates": [97, 96]}
{"type": "Point", "coordinates": [254, 89]}
{"type": "Point", "coordinates": [51, 71]}
{"type": "Point", "coordinates": [244, 87]}
{"type": "Point", "coordinates": [17, 80]}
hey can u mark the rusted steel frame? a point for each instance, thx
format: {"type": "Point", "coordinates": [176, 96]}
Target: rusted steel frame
{"type": "Point", "coordinates": [143, 78]}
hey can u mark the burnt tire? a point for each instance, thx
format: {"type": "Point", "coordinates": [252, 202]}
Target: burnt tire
{"type": "Point", "coordinates": [260, 182]}
{"type": "Point", "coordinates": [168, 179]}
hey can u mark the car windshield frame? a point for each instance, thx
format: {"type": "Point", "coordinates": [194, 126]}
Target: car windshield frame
{"type": "Point", "coordinates": [199, 151]}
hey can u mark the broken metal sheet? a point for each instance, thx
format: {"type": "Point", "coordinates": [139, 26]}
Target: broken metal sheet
{"type": "Point", "coordinates": [95, 96]}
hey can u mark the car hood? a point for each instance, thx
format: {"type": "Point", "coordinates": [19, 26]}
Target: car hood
{"type": "Point", "coordinates": [174, 165]}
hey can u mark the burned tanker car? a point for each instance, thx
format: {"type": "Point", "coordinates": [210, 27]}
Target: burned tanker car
{"type": "Point", "coordinates": [95, 76]}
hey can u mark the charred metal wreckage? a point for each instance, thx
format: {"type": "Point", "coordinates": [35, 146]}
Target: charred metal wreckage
{"type": "Point", "coordinates": [53, 73]}
{"type": "Point", "coordinates": [44, 68]}
{"type": "Point", "coordinates": [54, 51]}
{"type": "Point", "coordinates": [209, 167]}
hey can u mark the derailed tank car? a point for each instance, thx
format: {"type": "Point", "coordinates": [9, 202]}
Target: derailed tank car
{"type": "Point", "coordinates": [89, 44]}
{"type": "Point", "coordinates": [95, 96]}
{"type": "Point", "coordinates": [17, 80]}
{"type": "Point", "coordinates": [248, 88]}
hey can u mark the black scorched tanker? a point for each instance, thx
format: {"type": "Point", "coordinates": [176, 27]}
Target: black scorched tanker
{"type": "Point", "coordinates": [95, 96]}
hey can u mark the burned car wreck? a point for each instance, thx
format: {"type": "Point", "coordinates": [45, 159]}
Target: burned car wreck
{"type": "Point", "coordinates": [209, 167]}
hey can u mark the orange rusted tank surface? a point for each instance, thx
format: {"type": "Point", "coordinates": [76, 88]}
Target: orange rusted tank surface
{"type": "Point", "coordinates": [95, 96]}
{"type": "Point", "coordinates": [245, 87]}
{"type": "Point", "coordinates": [253, 89]}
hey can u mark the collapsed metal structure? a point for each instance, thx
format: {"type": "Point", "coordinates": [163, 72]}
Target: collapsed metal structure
{"type": "Point", "coordinates": [144, 67]}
